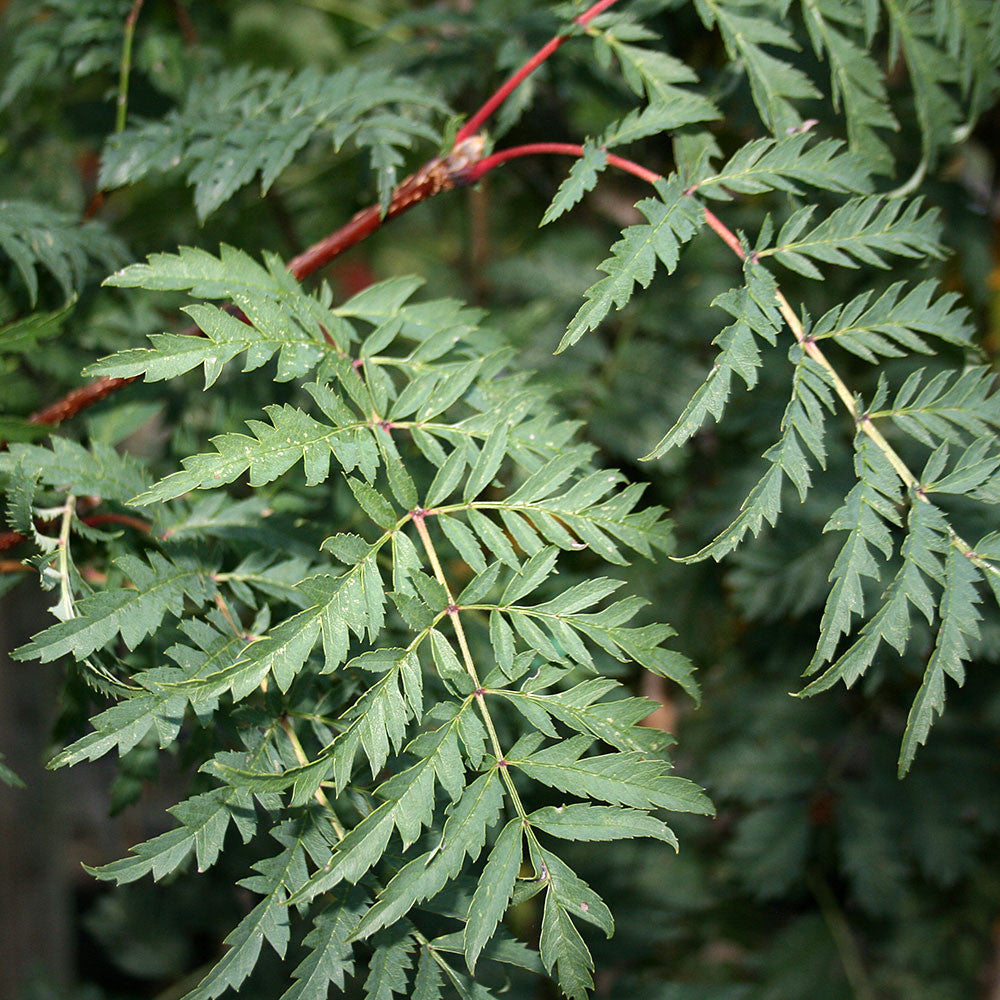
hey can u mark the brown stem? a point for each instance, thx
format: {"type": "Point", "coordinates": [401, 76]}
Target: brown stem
{"type": "Point", "coordinates": [184, 22]}
{"type": "Point", "coordinates": [79, 399]}
{"type": "Point", "coordinates": [440, 174]}
{"type": "Point", "coordinates": [13, 566]}
{"type": "Point", "coordinates": [125, 520]}
{"type": "Point", "coordinates": [8, 539]}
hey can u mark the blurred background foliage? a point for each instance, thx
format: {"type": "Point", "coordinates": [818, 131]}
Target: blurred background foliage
{"type": "Point", "coordinates": [823, 876]}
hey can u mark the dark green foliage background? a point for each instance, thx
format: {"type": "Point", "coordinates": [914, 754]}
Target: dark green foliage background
{"type": "Point", "coordinates": [823, 876]}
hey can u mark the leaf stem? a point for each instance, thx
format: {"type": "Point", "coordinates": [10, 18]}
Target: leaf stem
{"type": "Point", "coordinates": [64, 609]}
{"type": "Point", "coordinates": [126, 66]}
{"type": "Point", "coordinates": [319, 794]}
{"type": "Point", "coordinates": [470, 666]}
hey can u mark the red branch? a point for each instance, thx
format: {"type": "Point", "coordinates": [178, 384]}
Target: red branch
{"type": "Point", "coordinates": [184, 22]}
{"type": "Point", "coordinates": [440, 174]}
{"type": "Point", "coordinates": [473, 125]}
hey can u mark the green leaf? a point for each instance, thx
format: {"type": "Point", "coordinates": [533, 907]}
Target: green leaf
{"type": "Point", "coordinates": [97, 470]}
{"type": "Point", "coordinates": [950, 406]}
{"type": "Point", "coordinates": [428, 980]}
{"type": "Point", "coordinates": [373, 503]}
{"type": "Point", "coordinates": [926, 539]}
{"type": "Point", "coordinates": [240, 123]}
{"type": "Point", "coordinates": [619, 778]}
{"type": "Point", "coordinates": [656, 73]}
{"type": "Point", "coordinates": [959, 624]}
{"type": "Point", "coordinates": [755, 310]}
{"type": "Point", "coordinates": [269, 919]}
{"type": "Point", "coordinates": [35, 236]}
{"type": "Point", "coordinates": [387, 971]}
{"type": "Point", "coordinates": [857, 82]}
{"type": "Point", "coordinates": [8, 777]}
{"type": "Point", "coordinates": [133, 613]}
{"type": "Point", "coordinates": [774, 82]}
{"type": "Point", "coordinates": [580, 821]}
{"type": "Point", "coordinates": [582, 178]}
{"type": "Point", "coordinates": [204, 820]}
{"type": "Point", "coordinates": [913, 31]}
{"type": "Point", "coordinates": [464, 834]}
{"type": "Point", "coordinates": [673, 219]}
{"type": "Point", "coordinates": [407, 806]}
{"type": "Point", "coordinates": [496, 885]}
{"type": "Point", "coordinates": [330, 958]}
{"type": "Point", "coordinates": [868, 515]}
{"type": "Point", "coordinates": [862, 231]}
{"type": "Point", "coordinates": [803, 427]}
{"type": "Point", "coordinates": [783, 165]}
{"type": "Point", "coordinates": [560, 944]}
{"type": "Point", "coordinates": [156, 707]}
{"type": "Point", "coordinates": [487, 464]}
{"type": "Point", "coordinates": [896, 324]}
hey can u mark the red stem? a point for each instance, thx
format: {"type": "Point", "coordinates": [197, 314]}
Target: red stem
{"type": "Point", "coordinates": [439, 174]}
{"type": "Point", "coordinates": [473, 125]}
{"type": "Point", "coordinates": [13, 566]}
{"type": "Point", "coordinates": [125, 520]}
{"type": "Point", "coordinates": [485, 165]}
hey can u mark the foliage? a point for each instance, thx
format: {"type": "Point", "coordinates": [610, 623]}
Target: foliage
{"type": "Point", "coordinates": [344, 555]}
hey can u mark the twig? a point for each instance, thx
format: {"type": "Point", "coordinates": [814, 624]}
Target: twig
{"type": "Point", "coordinates": [851, 959]}
{"type": "Point", "coordinates": [126, 66]}
{"type": "Point", "coordinates": [439, 174]}
{"type": "Point", "coordinates": [184, 22]}
{"type": "Point", "coordinates": [13, 566]}
{"type": "Point", "coordinates": [476, 122]}
{"type": "Point", "coordinates": [488, 163]}
{"type": "Point", "coordinates": [319, 794]}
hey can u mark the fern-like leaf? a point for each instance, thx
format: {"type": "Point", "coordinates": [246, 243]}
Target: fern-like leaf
{"type": "Point", "coordinates": [34, 236]}
{"type": "Point", "coordinates": [672, 220]}
{"type": "Point", "coordinates": [754, 308]}
{"type": "Point", "coordinates": [774, 82]}
{"type": "Point", "coordinates": [245, 122]}
{"type": "Point", "coordinates": [959, 625]}
{"type": "Point", "coordinates": [860, 231]}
